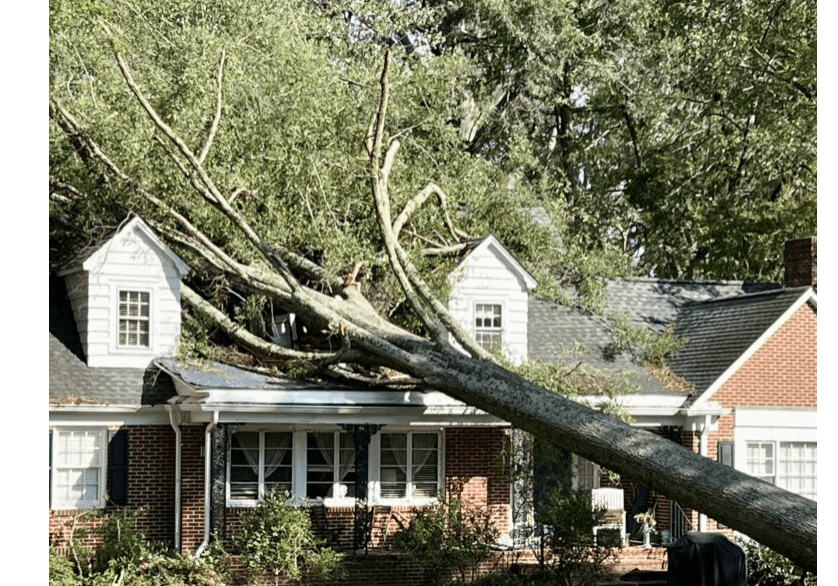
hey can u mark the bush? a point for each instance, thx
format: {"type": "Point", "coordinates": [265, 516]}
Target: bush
{"type": "Point", "coordinates": [450, 538]}
{"type": "Point", "coordinates": [61, 570]}
{"type": "Point", "coordinates": [277, 540]}
{"type": "Point", "coordinates": [125, 558]}
{"type": "Point", "coordinates": [569, 551]}
{"type": "Point", "coordinates": [766, 567]}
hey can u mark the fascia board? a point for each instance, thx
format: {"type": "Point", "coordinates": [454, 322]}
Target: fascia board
{"type": "Point", "coordinates": [260, 398]}
{"type": "Point", "coordinates": [106, 417]}
{"type": "Point", "coordinates": [807, 296]}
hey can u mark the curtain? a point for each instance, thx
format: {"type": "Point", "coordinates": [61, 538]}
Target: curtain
{"type": "Point", "coordinates": [424, 446]}
{"type": "Point", "coordinates": [276, 446]}
{"type": "Point", "coordinates": [347, 456]}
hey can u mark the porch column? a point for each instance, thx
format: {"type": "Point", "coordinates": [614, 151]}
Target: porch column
{"type": "Point", "coordinates": [218, 479]}
{"type": "Point", "coordinates": [361, 433]}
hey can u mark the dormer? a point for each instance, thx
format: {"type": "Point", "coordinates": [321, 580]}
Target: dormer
{"type": "Point", "coordinates": [489, 298]}
{"type": "Point", "coordinates": [126, 299]}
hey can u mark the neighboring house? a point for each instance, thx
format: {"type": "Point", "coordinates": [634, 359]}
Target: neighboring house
{"type": "Point", "coordinates": [191, 445]}
{"type": "Point", "coordinates": [745, 384]}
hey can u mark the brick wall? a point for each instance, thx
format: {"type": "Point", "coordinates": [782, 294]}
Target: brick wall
{"type": "Point", "coordinates": [782, 373]}
{"type": "Point", "coordinates": [151, 483]}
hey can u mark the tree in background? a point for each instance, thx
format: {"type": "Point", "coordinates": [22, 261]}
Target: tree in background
{"type": "Point", "coordinates": [241, 132]}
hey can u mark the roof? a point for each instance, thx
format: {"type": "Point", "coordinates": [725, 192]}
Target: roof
{"type": "Point", "coordinates": [719, 332]}
{"type": "Point", "coordinates": [71, 381]}
{"type": "Point", "coordinates": [555, 330]}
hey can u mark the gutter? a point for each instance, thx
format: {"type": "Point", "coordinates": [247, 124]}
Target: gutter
{"type": "Point", "coordinates": [207, 463]}
{"type": "Point", "coordinates": [174, 419]}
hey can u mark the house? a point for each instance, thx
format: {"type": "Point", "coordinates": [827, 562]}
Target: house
{"type": "Point", "coordinates": [743, 389]}
{"type": "Point", "coordinates": [193, 444]}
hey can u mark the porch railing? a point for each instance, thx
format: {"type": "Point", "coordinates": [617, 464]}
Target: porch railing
{"type": "Point", "coordinates": [613, 501]}
{"type": "Point", "coordinates": [681, 523]}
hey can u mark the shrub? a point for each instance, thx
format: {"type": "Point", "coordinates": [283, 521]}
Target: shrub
{"type": "Point", "coordinates": [450, 538]}
{"type": "Point", "coordinates": [61, 570]}
{"type": "Point", "coordinates": [569, 551]}
{"type": "Point", "coordinates": [766, 567]}
{"type": "Point", "coordinates": [277, 540]}
{"type": "Point", "coordinates": [125, 558]}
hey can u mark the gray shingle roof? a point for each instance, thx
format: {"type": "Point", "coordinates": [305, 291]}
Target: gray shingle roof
{"type": "Point", "coordinates": [71, 381]}
{"type": "Point", "coordinates": [718, 332]}
{"type": "Point", "coordinates": [554, 330]}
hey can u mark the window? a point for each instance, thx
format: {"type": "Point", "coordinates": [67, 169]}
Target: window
{"type": "Point", "coordinates": [409, 465]}
{"type": "Point", "coordinates": [790, 465]}
{"type": "Point", "coordinates": [134, 319]}
{"type": "Point", "coordinates": [797, 468]}
{"type": "Point", "coordinates": [78, 467]}
{"type": "Point", "coordinates": [260, 462]}
{"type": "Point", "coordinates": [488, 330]}
{"type": "Point", "coordinates": [330, 465]}
{"type": "Point", "coordinates": [586, 475]}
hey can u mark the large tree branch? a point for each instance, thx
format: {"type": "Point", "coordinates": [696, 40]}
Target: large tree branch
{"type": "Point", "coordinates": [438, 321]}
{"type": "Point", "coordinates": [218, 199]}
{"type": "Point", "coordinates": [413, 204]}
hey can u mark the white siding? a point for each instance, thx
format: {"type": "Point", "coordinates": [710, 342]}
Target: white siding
{"type": "Point", "coordinates": [486, 276]}
{"type": "Point", "coordinates": [130, 261]}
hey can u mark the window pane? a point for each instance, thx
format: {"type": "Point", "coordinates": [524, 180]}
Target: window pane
{"type": "Point", "coordinates": [320, 472]}
{"type": "Point", "coordinates": [798, 468]}
{"type": "Point", "coordinates": [244, 466]}
{"type": "Point", "coordinates": [394, 465]}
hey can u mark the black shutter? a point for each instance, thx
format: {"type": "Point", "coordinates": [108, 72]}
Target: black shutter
{"type": "Point", "coordinates": [724, 453]}
{"type": "Point", "coordinates": [118, 468]}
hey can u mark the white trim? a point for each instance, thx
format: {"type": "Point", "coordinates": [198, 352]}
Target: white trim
{"type": "Point", "coordinates": [55, 503]}
{"type": "Point", "coordinates": [807, 296]}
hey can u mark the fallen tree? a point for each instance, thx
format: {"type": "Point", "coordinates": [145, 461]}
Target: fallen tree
{"type": "Point", "coordinates": [781, 520]}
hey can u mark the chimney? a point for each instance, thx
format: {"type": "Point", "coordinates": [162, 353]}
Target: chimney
{"type": "Point", "coordinates": [801, 260]}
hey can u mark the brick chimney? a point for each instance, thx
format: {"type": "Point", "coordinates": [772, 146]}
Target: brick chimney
{"type": "Point", "coordinates": [801, 260]}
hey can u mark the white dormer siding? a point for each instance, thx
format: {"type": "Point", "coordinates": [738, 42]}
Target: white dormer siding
{"type": "Point", "coordinates": [489, 278]}
{"type": "Point", "coordinates": [148, 274]}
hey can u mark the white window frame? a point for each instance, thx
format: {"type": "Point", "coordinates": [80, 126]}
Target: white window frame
{"type": "Point", "coordinates": [299, 468]}
{"type": "Point", "coordinates": [491, 330]}
{"type": "Point", "coordinates": [580, 463]}
{"type": "Point", "coordinates": [775, 426]}
{"type": "Point", "coordinates": [409, 499]}
{"type": "Point", "coordinates": [261, 491]}
{"type": "Point", "coordinates": [129, 319]}
{"type": "Point", "coordinates": [301, 496]}
{"type": "Point", "coordinates": [59, 464]}
{"type": "Point", "coordinates": [777, 475]}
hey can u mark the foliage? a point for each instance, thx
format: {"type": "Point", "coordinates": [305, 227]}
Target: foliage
{"type": "Point", "coordinates": [569, 549]}
{"type": "Point", "coordinates": [766, 567]}
{"type": "Point", "coordinates": [125, 558]}
{"type": "Point", "coordinates": [61, 570]}
{"type": "Point", "coordinates": [453, 537]}
{"type": "Point", "coordinates": [277, 539]}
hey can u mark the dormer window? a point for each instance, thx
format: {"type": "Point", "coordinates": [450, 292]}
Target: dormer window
{"type": "Point", "coordinates": [488, 325]}
{"type": "Point", "coordinates": [134, 319]}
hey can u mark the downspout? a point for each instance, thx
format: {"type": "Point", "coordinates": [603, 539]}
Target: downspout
{"type": "Point", "coordinates": [702, 449]}
{"type": "Point", "coordinates": [207, 464]}
{"type": "Point", "coordinates": [175, 421]}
